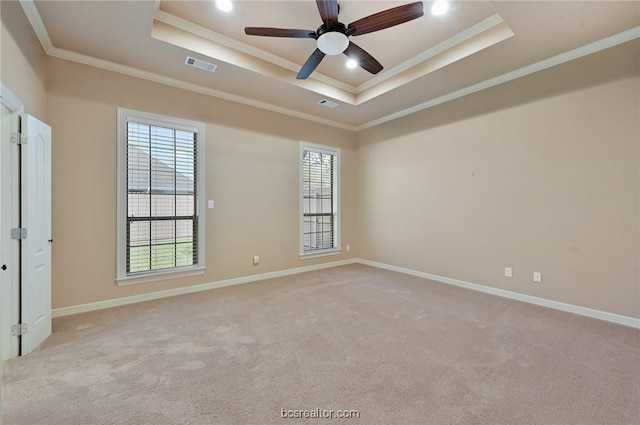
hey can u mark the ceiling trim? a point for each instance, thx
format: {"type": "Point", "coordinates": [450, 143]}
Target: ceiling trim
{"type": "Point", "coordinates": [188, 26]}
{"type": "Point", "coordinates": [35, 20]}
{"type": "Point", "coordinates": [579, 52]}
{"type": "Point", "coordinates": [169, 81]}
{"type": "Point", "coordinates": [210, 49]}
{"type": "Point", "coordinates": [454, 53]}
{"type": "Point", "coordinates": [210, 43]}
{"type": "Point", "coordinates": [447, 44]}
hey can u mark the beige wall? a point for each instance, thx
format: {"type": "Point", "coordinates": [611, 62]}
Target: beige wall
{"type": "Point", "coordinates": [23, 62]}
{"type": "Point", "coordinates": [541, 174]}
{"type": "Point", "coordinates": [251, 173]}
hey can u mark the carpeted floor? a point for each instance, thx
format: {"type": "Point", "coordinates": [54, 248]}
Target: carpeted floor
{"type": "Point", "coordinates": [397, 349]}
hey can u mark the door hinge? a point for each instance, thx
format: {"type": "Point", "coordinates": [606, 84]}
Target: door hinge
{"type": "Point", "coordinates": [19, 233]}
{"type": "Point", "coordinates": [19, 329]}
{"type": "Point", "coordinates": [19, 138]}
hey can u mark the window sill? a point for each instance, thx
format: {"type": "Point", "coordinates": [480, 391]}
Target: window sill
{"type": "Point", "coordinates": [160, 275]}
{"type": "Point", "coordinates": [324, 253]}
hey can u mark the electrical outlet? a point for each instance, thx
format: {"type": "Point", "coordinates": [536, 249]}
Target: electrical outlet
{"type": "Point", "coordinates": [508, 272]}
{"type": "Point", "coordinates": [256, 260]}
{"type": "Point", "coordinates": [537, 277]}
{"type": "Point", "coordinates": [348, 247]}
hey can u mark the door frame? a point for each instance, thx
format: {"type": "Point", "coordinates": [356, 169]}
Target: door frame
{"type": "Point", "coordinates": [9, 218]}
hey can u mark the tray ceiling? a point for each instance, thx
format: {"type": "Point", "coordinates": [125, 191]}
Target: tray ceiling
{"type": "Point", "coordinates": [427, 61]}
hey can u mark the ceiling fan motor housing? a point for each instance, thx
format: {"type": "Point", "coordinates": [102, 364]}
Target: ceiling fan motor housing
{"type": "Point", "coordinates": [332, 40]}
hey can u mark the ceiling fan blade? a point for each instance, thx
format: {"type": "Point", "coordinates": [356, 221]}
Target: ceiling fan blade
{"type": "Point", "coordinates": [310, 65]}
{"type": "Point", "coordinates": [365, 60]}
{"type": "Point", "coordinates": [279, 32]}
{"type": "Point", "coordinates": [328, 10]}
{"type": "Point", "coordinates": [386, 18]}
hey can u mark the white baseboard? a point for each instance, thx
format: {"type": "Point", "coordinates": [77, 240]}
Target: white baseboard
{"type": "Point", "coordinates": [570, 308]}
{"type": "Point", "coordinates": [84, 308]}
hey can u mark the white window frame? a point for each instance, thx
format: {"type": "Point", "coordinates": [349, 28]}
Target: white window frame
{"type": "Point", "coordinates": [336, 238]}
{"type": "Point", "coordinates": [124, 116]}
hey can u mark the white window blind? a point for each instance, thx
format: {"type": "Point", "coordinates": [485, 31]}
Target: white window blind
{"type": "Point", "coordinates": [319, 199]}
{"type": "Point", "coordinates": [162, 186]}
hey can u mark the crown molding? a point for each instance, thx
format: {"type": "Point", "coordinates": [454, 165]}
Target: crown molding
{"type": "Point", "coordinates": [38, 26]}
{"type": "Point", "coordinates": [34, 18]}
{"type": "Point", "coordinates": [392, 78]}
{"type": "Point", "coordinates": [596, 46]}
{"type": "Point", "coordinates": [169, 81]}
{"type": "Point", "coordinates": [447, 44]}
{"type": "Point", "coordinates": [231, 43]}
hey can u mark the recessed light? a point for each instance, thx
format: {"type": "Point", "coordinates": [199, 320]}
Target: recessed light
{"type": "Point", "coordinates": [352, 64]}
{"type": "Point", "coordinates": [224, 5]}
{"type": "Point", "coordinates": [440, 7]}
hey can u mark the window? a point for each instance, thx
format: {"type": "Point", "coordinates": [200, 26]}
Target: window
{"type": "Point", "coordinates": [160, 185]}
{"type": "Point", "coordinates": [319, 200]}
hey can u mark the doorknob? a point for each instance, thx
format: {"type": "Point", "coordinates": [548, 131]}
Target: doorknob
{"type": "Point", "coordinates": [4, 267]}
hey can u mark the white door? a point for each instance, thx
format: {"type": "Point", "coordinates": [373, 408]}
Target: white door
{"type": "Point", "coordinates": [36, 247]}
{"type": "Point", "coordinates": [9, 248]}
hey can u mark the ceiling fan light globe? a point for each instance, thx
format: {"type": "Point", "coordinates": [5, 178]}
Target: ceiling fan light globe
{"type": "Point", "coordinates": [333, 43]}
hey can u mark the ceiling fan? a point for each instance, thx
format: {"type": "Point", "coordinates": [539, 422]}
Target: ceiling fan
{"type": "Point", "coordinates": [332, 36]}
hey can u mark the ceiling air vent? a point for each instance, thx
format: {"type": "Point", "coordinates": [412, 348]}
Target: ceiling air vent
{"type": "Point", "coordinates": [200, 64]}
{"type": "Point", "coordinates": [328, 103]}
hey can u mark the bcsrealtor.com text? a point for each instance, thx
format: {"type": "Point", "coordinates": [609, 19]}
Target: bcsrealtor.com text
{"type": "Point", "coordinates": [319, 414]}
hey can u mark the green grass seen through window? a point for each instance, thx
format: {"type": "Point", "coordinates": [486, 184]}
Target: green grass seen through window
{"type": "Point", "coordinates": [162, 256]}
